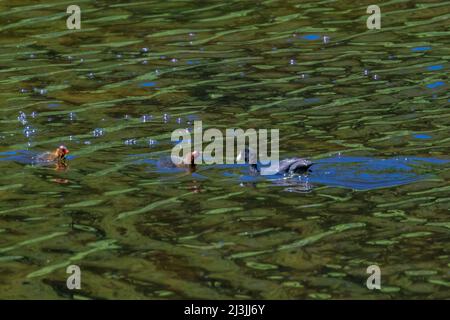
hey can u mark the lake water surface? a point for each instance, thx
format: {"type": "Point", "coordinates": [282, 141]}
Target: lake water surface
{"type": "Point", "coordinates": [370, 107]}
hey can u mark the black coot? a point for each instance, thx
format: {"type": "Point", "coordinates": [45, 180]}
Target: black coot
{"type": "Point", "coordinates": [287, 166]}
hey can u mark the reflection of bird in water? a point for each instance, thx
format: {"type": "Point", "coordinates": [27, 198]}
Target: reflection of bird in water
{"type": "Point", "coordinates": [291, 166]}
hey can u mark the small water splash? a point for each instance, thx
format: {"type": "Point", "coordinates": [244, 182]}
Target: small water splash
{"type": "Point", "coordinates": [29, 131]}
{"type": "Point", "coordinates": [130, 142]}
{"type": "Point", "coordinates": [40, 91]}
{"type": "Point", "coordinates": [166, 117]}
{"type": "Point", "coordinates": [72, 116]}
{"type": "Point", "coordinates": [98, 132]}
{"type": "Point", "coordinates": [146, 118]}
{"type": "Point", "coordinates": [22, 118]}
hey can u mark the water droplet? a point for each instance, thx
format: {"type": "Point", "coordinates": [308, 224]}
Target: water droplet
{"type": "Point", "coordinates": [40, 91]}
{"type": "Point", "coordinates": [166, 117]}
{"type": "Point", "coordinates": [91, 75]}
{"type": "Point", "coordinates": [144, 50]}
{"type": "Point", "coordinates": [366, 72]}
{"type": "Point", "coordinates": [130, 142]}
{"type": "Point", "coordinates": [326, 39]}
{"type": "Point", "coordinates": [23, 90]}
{"type": "Point", "coordinates": [98, 132]}
{"type": "Point", "coordinates": [174, 60]}
{"type": "Point", "coordinates": [22, 118]}
{"type": "Point", "coordinates": [72, 116]}
{"type": "Point", "coordinates": [292, 62]}
{"type": "Point", "coordinates": [29, 131]}
{"type": "Point", "coordinates": [34, 114]}
{"type": "Point", "coordinates": [146, 118]}
{"type": "Point", "coordinates": [376, 77]}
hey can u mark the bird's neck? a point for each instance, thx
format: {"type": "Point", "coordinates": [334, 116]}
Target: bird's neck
{"type": "Point", "coordinates": [254, 168]}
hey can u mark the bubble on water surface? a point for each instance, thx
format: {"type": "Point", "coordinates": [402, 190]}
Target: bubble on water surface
{"type": "Point", "coordinates": [72, 116]}
{"type": "Point", "coordinates": [98, 132]}
{"type": "Point", "coordinates": [146, 118]}
{"type": "Point", "coordinates": [22, 118]}
{"type": "Point", "coordinates": [29, 131]}
{"type": "Point", "coordinates": [130, 142]}
{"type": "Point", "coordinates": [41, 91]}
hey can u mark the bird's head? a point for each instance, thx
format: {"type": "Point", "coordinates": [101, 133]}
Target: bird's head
{"type": "Point", "coordinates": [61, 152]}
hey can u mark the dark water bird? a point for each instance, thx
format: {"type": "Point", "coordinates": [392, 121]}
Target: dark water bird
{"type": "Point", "coordinates": [188, 162]}
{"type": "Point", "coordinates": [289, 166]}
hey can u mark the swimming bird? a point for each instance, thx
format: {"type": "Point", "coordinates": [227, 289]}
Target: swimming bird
{"type": "Point", "coordinates": [188, 162]}
{"type": "Point", "coordinates": [57, 156]}
{"type": "Point", "coordinates": [287, 166]}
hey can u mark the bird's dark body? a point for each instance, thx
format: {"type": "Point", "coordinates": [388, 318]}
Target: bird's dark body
{"type": "Point", "coordinates": [294, 166]}
{"type": "Point", "coordinates": [286, 167]}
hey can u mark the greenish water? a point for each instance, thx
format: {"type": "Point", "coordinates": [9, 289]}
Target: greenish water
{"type": "Point", "coordinates": [379, 193]}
